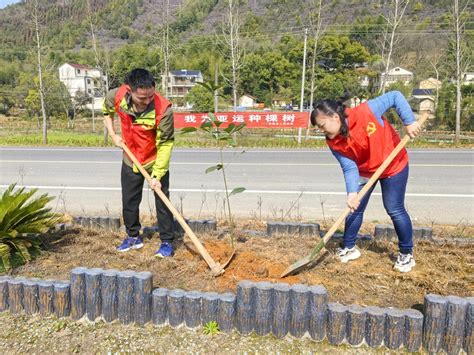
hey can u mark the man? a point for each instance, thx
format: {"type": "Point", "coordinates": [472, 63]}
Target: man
{"type": "Point", "coordinates": [147, 126]}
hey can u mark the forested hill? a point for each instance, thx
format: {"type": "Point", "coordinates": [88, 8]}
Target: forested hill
{"type": "Point", "coordinates": [64, 23]}
{"type": "Point", "coordinates": [165, 35]}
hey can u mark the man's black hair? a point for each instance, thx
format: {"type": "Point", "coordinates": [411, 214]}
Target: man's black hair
{"type": "Point", "coordinates": [140, 78]}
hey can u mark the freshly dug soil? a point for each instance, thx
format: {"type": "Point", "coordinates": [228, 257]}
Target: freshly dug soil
{"type": "Point", "coordinates": [445, 269]}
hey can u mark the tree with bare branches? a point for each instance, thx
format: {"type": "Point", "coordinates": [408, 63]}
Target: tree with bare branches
{"type": "Point", "coordinates": [463, 56]}
{"type": "Point", "coordinates": [232, 42]}
{"type": "Point", "coordinates": [390, 40]}
{"type": "Point", "coordinates": [34, 7]}
{"type": "Point", "coordinates": [317, 28]}
{"type": "Point", "coordinates": [104, 87]}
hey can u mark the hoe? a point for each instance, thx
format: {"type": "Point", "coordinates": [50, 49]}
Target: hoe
{"type": "Point", "coordinates": [300, 264]}
{"type": "Point", "coordinates": [216, 268]}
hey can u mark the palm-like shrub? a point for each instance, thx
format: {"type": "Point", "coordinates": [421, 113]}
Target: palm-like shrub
{"type": "Point", "coordinates": [22, 219]}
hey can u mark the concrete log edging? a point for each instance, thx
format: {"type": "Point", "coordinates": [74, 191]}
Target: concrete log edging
{"type": "Point", "coordinates": [102, 223]}
{"type": "Point", "coordinates": [387, 232]}
{"type": "Point", "coordinates": [381, 232]}
{"type": "Point", "coordinates": [257, 307]}
{"type": "Point", "coordinates": [113, 223]}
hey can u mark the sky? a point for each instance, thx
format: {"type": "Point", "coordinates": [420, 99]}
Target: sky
{"type": "Point", "coordinates": [4, 3]}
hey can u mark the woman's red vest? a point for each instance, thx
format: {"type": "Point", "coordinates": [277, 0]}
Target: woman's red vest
{"type": "Point", "coordinates": [369, 143]}
{"type": "Point", "coordinates": [140, 137]}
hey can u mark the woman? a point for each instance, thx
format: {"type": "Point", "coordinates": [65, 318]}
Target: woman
{"type": "Point", "coordinates": [360, 139]}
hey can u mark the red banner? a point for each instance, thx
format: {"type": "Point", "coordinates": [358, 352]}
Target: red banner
{"type": "Point", "coordinates": [251, 119]}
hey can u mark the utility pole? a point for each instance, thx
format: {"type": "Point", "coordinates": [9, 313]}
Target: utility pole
{"type": "Point", "coordinates": [302, 80]}
{"type": "Point", "coordinates": [216, 82]}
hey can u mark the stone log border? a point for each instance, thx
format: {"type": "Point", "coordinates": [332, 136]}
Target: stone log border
{"type": "Point", "coordinates": [263, 308]}
{"type": "Point", "coordinates": [381, 231]}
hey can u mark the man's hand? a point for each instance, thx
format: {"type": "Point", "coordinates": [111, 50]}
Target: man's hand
{"type": "Point", "coordinates": [155, 184]}
{"type": "Point", "coordinates": [413, 129]}
{"type": "Point", "coordinates": [117, 140]}
{"type": "Point", "coordinates": [352, 202]}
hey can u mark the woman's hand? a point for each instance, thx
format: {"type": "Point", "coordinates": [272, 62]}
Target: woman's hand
{"type": "Point", "coordinates": [413, 129]}
{"type": "Point", "coordinates": [352, 202]}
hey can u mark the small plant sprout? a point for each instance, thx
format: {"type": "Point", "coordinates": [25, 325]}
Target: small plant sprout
{"type": "Point", "coordinates": [211, 328]}
{"type": "Point", "coordinates": [212, 127]}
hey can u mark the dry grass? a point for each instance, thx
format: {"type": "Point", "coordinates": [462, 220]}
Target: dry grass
{"type": "Point", "coordinates": [442, 269]}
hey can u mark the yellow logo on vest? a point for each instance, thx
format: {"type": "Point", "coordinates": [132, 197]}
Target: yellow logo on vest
{"type": "Point", "coordinates": [371, 128]}
{"type": "Point", "coordinates": [147, 127]}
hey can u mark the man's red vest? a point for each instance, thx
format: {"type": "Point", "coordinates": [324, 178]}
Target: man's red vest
{"type": "Point", "coordinates": [140, 138]}
{"type": "Point", "coordinates": [369, 143]}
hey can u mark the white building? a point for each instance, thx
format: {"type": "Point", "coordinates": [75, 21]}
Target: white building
{"type": "Point", "coordinates": [85, 79]}
{"type": "Point", "coordinates": [180, 83]}
{"type": "Point", "coordinates": [247, 101]}
{"type": "Point", "coordinates": [468, 78]}
{"type": "Point", "coordinates": [394, 75]}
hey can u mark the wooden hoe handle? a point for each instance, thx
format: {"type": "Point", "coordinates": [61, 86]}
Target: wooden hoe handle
{"type": "Point", "coordinates": [216, 269]}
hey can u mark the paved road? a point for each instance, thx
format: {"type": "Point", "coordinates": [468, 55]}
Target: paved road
{"type": "Point", "coordinates": [292, 183]}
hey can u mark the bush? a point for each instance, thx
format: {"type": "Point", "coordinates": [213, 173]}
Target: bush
{"type": "Point", "coordinates": [22, 219]}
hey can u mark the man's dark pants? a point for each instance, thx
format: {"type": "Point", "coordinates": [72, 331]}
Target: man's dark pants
{"type": "Point", "coordinates": [132, 188]}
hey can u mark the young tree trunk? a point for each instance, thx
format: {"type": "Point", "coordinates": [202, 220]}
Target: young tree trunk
{"type": "Point", "coordinates": [40, 73]}
{"type": "Point", "coordinates": [317, 30]}
{"type": "Point", "coordinates": [216, 82]}
{"type": "Point", "coordinates": [164, 45]}
{"type": "Point", "coordinates": [104, 87]}
{"type": "Point", "coordinates": [458, 27]}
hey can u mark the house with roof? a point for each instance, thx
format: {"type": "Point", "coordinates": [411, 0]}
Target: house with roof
{"type": "Point", "coordinates": [394, 75]}
{"type": "Point", "coordinates": [180, 83]}
{"type": "Point", "coordinates": [423, 98]}
{"type": "Point", "coordinates": [430, 83]}
{"type": "Point", "coordinates": [85, 79]}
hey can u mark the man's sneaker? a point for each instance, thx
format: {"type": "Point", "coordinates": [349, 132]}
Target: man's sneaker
{"type": "Point", "coordinates": [165, 251]}
{"type": "Point", "coordinates": [348, 254]}
{"type": "Point", "coordinates": [130, 243]}
{"type": "Point", "coordinates": [405, 262]}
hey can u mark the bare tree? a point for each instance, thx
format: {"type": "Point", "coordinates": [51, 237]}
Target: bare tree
{"type": "Point", "coordinates": [462, 60]}
{"type": "Point", "coordinates": [390, 39]}
{"type": "Point", "coordinates": [104, 86]}
{"type": "Point", "coordinates": [317, 30]}
{"type": "Point", "coordinates": [35, 15]}
{"type": "Point", "coordinates": [165, 44]}
{"type": "Point", "coordinates": [435, 62]}
{"type": "Point", "coordinates": [232, 41]}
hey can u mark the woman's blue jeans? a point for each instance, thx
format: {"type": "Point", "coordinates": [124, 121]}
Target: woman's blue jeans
{"type": "Point", "coordinates": [393, 196]}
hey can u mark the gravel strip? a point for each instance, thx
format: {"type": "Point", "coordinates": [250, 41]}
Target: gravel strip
{"type": "Point", "coordinates": [35, 335]}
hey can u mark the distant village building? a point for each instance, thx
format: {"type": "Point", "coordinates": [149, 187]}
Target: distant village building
{"type": "Point", "coordinates": [180, 83]}
{"type": "Point", "coordinates": [423, 98]}
{"type": "Point", "coordinates": [394, 75]}
{"type": "Point", "coordinates": [282, 103]}
{"type": "Point", "coordinates": [468, 78]}
{"type": "Point", "coordinates": [430, 83]}
{"type": "Point", "coordinates": [423, 105]}
{"type": "Point", "coordinates": [84, 79]}
{"type": "Point", "coordinates": [247, 101]}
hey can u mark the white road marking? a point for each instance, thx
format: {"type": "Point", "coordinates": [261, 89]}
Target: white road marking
{"type": "Point", "coordinates": [275, 192]}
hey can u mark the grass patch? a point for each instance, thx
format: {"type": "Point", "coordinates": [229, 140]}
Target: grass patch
{"type": "Point", "coordinates": [27, 132]}
{"type": "Point", "coordinates": [56, 138]}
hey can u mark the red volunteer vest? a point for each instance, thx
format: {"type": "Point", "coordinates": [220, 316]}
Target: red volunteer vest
{"type": "Point", "coordinates": [369, 143]}
{"type": "Point", "coordinates": [140, 138]}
